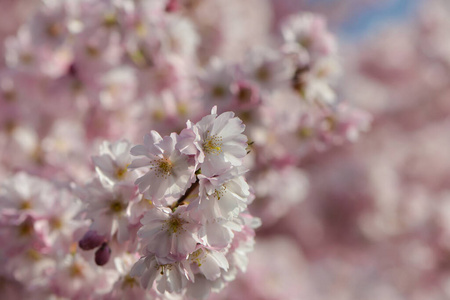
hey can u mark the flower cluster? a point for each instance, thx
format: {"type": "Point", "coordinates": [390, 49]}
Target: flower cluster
{"type": "Point", "coordinates": [198, 227]}
{"type": "Point", "coordinates": [180, 200]}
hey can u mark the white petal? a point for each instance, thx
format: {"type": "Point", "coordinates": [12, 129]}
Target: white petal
{"type": "Point", "coordinates": [139, 150]}
{"type": "Point", "coordinates": [138, 268]}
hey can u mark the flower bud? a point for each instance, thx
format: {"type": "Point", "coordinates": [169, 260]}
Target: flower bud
{"type": "Point", "coordinates": [172, 6]}
{"type": "Point", "coordinates": [102, 254]}
{"type": "Point", "coordinates": [91, 240]}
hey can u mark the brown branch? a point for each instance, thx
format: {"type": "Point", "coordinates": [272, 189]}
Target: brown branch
{"type": "Point", "coordinates": [188, 192]}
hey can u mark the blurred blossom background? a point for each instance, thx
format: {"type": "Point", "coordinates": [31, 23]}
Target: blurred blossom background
{"type": "Point", "coordinates": [352, 185]}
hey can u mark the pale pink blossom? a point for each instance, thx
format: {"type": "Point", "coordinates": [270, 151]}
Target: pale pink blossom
{"type": "Point", "coordinates": [170, 276]}
{"type": "Point", "coordinates": [210, 263]}
{"type": "Point", "coordinates": [113, 161]}
{"type": "Point", "coordinates": [222, 196]}
{"type": "Point", "coordinates": [170, 172]}
{"type": "Point", "coordinates": [267, 69]}
{"type": "Point", "coordinates": [167, 233]}
{"type": "Point", "coordinates": [220, 142]}
{"type": "Point", "coordinates": [109, 208]}
{"type": "Point", "coordinates": [308, 32]}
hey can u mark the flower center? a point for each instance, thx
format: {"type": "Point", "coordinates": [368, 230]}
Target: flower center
{"type": "Point", "coordinates": [110, 20]}
{"type": "Point", "coordinates": [55, 223]}
{"type": "Point", "coordinates": [162, 167]}
{"type": "Point", "coordinates": [174, 225]}
{"type": "Point", "coordinates": [197, 257]}
{"type": "Point", "coordinates": [121, 172]}
{"type": "Point", "coordinates": [129, 282]}
{"type": "Point", "coordinates": [34, 255]}
{"type": "Point", "coordinates": [54, 30]}
{"type": "Point", "coordinates": [92, 51]}
{"type": "Point", "coordinates": [220, 192]}
{"type": "Point", "coordinates": [244, 94]}
{"type": "Point", "coordinates": [218, 91]}
{"type": "Point", "coordinates": [165, 166]}
{"type": "Point", "coordinates": [116, 206]}
{"type": "Point", "coordinates": [25, 205]}
{"type": "Point", "coordinates": [9, 95]}
{"type": "Point", "coordinates": [263, 74]}
{"type": "Point", "coordinates": [164, 268]}
{"type": "Point", "coordinates": [26, 58]}
{"type": "Point", "coordinates": [213, 145]}
{"type": "Point", "coordinates": [76, 270]}
{"type": "Point", "coordinates": [26, 228]}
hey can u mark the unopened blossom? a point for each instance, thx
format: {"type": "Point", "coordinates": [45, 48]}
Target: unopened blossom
{"type": "Point", "coordinates": [169, 171]}
{"type": "Point", "coordinates": [102, 254]}
{"type": "Point", "coordinates": [91, 240]}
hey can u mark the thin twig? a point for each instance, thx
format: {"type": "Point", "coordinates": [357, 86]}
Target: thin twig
{"type": "Point", "coordinates": [188, 191]}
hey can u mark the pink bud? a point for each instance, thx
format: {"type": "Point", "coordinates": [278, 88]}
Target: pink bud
{"type": "Point", "coordinates": [102, 254]}
{"type": "Point", "coordinates": [91, 240]}
{"type": "Point", "coordinates": [172, 6]}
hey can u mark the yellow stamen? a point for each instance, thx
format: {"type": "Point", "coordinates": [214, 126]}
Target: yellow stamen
{"type": "Point", "coordinates": [129, 282]}
{"type": "Point", "coordinates": [213, 145]}
{"type": "Point", "coordinates": [25, 205]}
{"type": "Point", "coordinates": [162, 167]}
{"type": "Point", "coordinates": [110, 20]}
{"type": "Point", "coordinates": [54, 30]}
{"type": "Point", "coordinates": [76, 270]}
{"type": "Point", "coordinates": [117, 206]}
{"type": "Point", "coordinates": [121, 172]}
{"type": "Point", "coordinates": [55, 223]}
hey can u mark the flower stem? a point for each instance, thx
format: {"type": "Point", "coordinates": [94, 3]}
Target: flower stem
{"type": "Point", "coordinates": [188, 192]}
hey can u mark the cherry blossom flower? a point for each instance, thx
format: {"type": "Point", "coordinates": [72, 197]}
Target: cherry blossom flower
{"type": "Point", "coordinates": [222, 196]}
{"type": "Point", "coordinates": [220, 142]}
{"type": "Point", "coordinates": [166, 233]}
{"type": "Point", "coordinates": [108, 207]}
{"type": "Point", "coordinates": [113, 161]}
{"type": "Point", "coordinates": [170, 276]}
{"type": "Point", "coordinates": [209, 263]}
{"type": "Point", "coordinates": [216, 82]}
{"type": "Point", "coordinates": [170, 172]}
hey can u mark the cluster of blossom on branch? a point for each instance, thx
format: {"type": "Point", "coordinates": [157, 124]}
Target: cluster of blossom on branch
{"type": "Point", "coordinates": [87, 74]}
{"type": "Point", "coordinates": [179, 200]}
